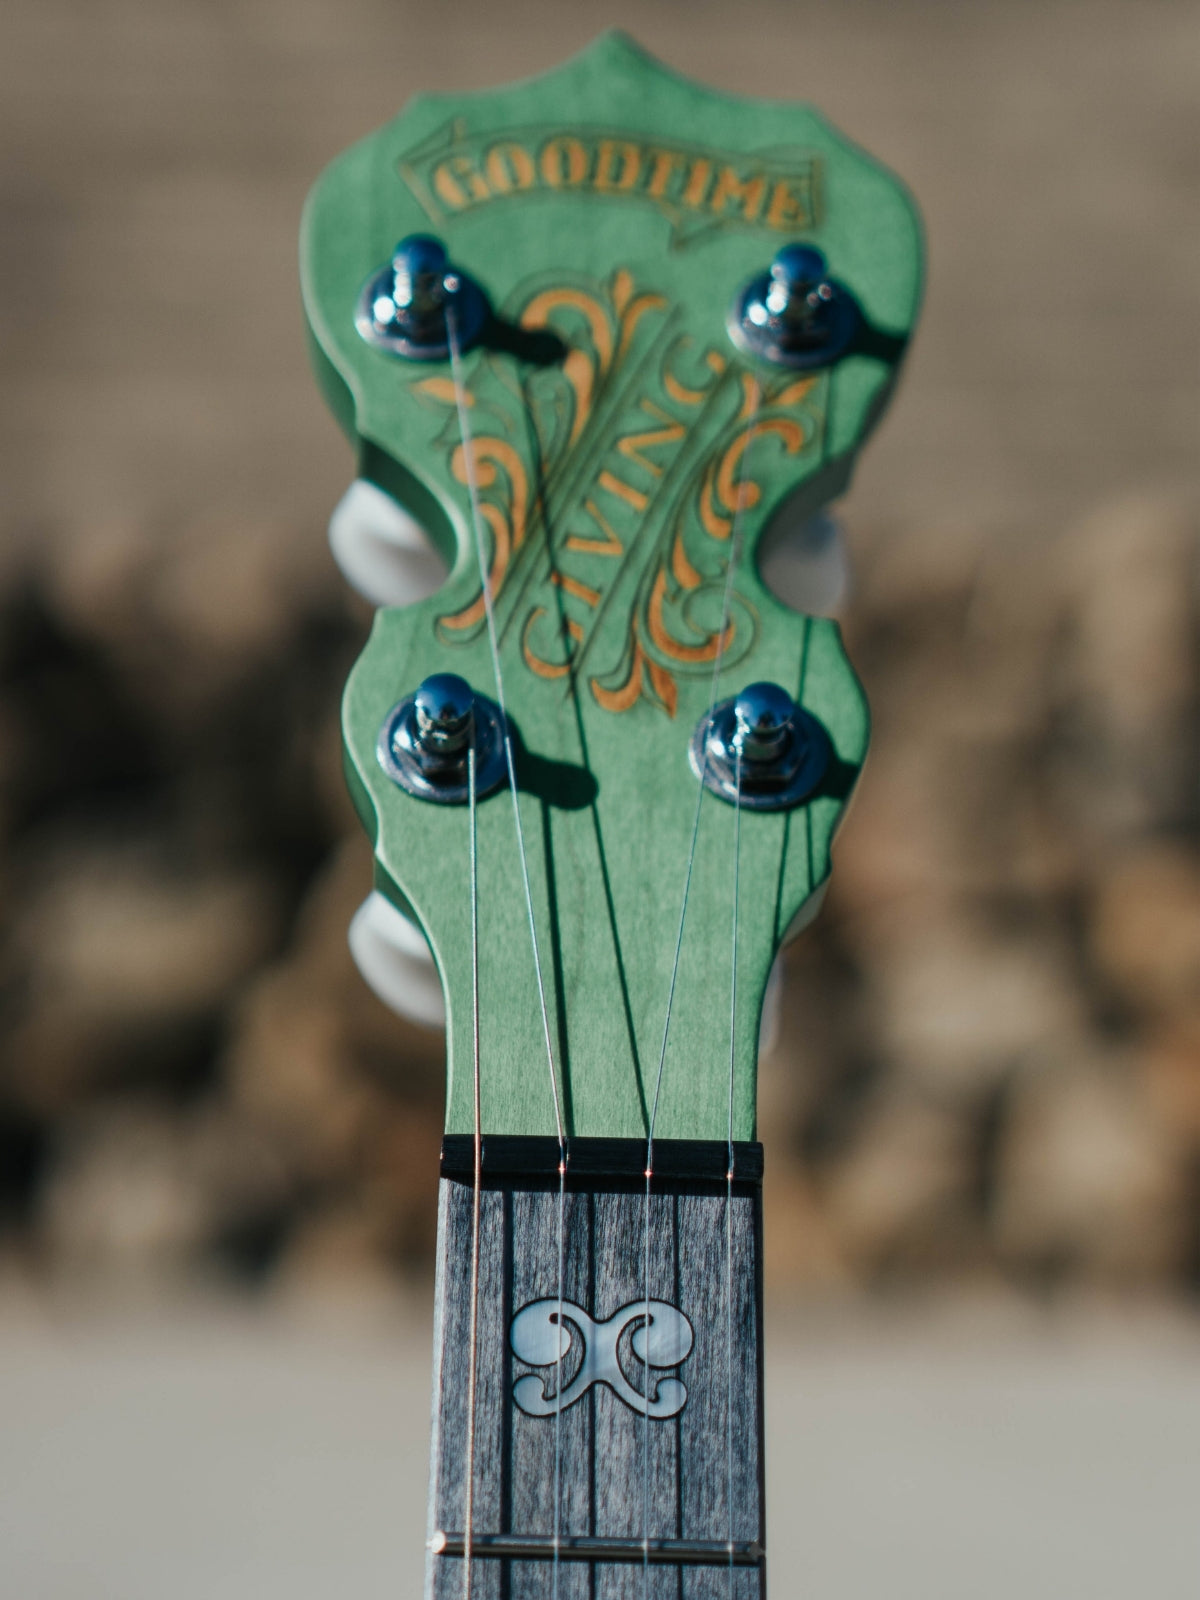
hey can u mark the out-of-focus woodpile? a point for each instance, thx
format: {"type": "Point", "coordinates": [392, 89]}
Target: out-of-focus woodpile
{"type": "Point", "coordinates": [996, 1028]}
{"type": "Point", "coordinates": [990, 1058]}
{"type": "Point", "coordinates": [193, 1074]}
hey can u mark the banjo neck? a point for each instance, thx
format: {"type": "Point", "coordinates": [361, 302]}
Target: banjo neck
{"type": "Point", "coordinates": [600, 341]}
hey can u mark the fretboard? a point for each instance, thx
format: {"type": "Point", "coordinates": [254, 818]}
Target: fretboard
{"type": "Point", "coordinates": [629, 1487]}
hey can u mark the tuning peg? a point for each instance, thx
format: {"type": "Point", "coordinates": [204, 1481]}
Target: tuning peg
{"type": "Point", "coordinates": [424, 742]}
{"type": "Point", "coordinates": [772, 1009]}
{"type": "Point", "coordinates": [805, 563]}
{"type": "Point", "coordinates": [794, 314]}
{"type": "Point", "coordinates": [383, 552]}
{"type": "Point", "coordinates": [394, 959]}
{"type": "Point", "coordinates": [403, 308]}
{"type": "Point", "coordinates": [760, 750]}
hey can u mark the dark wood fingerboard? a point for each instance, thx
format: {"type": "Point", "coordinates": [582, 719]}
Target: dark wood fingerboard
{"type": "Point", "coordinates": [694, 1543]}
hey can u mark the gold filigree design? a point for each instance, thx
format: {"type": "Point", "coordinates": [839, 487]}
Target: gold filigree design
{"type": "Point", "coordinates": [505, 516]}
{"type": "Point", "coordinates": [644, 462]}
{"type": "Point", "coordinates": [642, 667]}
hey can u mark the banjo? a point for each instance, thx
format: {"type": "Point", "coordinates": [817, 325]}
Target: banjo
{"type": "Point", "coordinates": [600, 341]}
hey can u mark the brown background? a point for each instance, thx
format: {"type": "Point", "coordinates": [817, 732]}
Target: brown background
{"type": "Point", "coordinates": [991, 1064]}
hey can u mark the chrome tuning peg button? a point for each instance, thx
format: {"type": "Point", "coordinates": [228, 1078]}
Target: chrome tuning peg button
{"type": "Point", "coordinates": [795, 314]}
{"type": "Point", "coordinates": [782, 750]}
{"type": "Point", "coordinates": [425, 738]}
{"type": "Point", "coordinates": [404, 307]}
{"type": "Point", "coordinates": [444, 715]}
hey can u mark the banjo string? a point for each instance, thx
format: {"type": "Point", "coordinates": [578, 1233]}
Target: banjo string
{"type": "Point", "coordinates": [493, 642]}
{"type": "Point", "coordinates": [718, 662]}
{"type": "Point", "coordinates": [737, 853]}
{"type": "Point", "coordinates": [473, 1357]}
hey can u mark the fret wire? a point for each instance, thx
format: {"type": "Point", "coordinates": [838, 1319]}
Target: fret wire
{"type": "Point", "coordinates": [718, 661]}
{"type": "Point", "coordinates": [473, 1359]}
{"type": "Point", "coordinates": [464, 428]}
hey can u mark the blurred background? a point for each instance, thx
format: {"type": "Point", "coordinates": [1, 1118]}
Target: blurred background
{"type": "Point", "coordinates": [218, 1151]}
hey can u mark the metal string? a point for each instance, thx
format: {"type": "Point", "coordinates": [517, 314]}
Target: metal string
{"type": "Point", "coordinates": [478, 1183]}
{"type": "Point", "coordinates": [737, 856]}
{"type": "Point", "coordinates": [464, 426]}
{"type": "Point", "coordinates": [562, 1241]}
{"type": "Point", "coordinates": [718, 661]}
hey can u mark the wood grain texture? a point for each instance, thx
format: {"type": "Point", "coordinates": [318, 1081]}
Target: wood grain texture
{"type": "Point", "coordinates": [602, 1438]}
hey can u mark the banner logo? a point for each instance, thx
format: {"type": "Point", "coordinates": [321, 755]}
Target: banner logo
{"type": "Point", "coordinates": [698, 188]}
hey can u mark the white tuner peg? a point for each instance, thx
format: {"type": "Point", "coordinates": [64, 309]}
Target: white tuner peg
{"type": "Point", "coordinates": [382, 551]}
{"type": "Point", "coordinates": [772, 1007]}
{"type": "Point", "coordinates": [771, 1018]}
{"type": "Point", "coordinates": [393, 957]}
{"type": "Point", "coordinates": [806, 563]}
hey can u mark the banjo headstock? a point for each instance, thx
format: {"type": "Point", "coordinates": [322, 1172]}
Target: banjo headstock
{"type": "Point", "coordinates": [641, 397]}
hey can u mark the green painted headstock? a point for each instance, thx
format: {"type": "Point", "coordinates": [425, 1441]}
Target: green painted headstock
{"type": "Point", "coordinates": [610, 211]}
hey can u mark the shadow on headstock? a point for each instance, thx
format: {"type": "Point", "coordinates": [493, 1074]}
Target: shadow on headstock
{"type": "Point", "coordinates": [537, 347]}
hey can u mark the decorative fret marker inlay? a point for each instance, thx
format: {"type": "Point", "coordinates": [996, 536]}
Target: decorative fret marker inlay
{"type": "Point", "coordinates": [537, 1338]}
